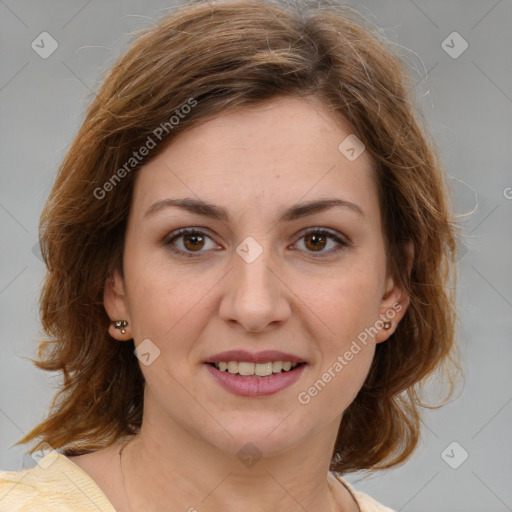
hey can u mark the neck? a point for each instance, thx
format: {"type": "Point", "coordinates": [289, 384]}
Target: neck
{"type": "Point", "coordinates": [161, 468]}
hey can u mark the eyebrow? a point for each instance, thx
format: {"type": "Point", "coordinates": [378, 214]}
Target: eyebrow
{"type": "Point", "coordinates": [200, 207]}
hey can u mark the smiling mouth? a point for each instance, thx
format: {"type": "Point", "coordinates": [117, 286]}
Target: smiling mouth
{"type": "Point", "coordinates": [261, 370]}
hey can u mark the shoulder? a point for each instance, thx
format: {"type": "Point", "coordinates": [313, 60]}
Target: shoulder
{"type": "Point", "coordinates": [365, 502]}
{"type": "Point", "coordinates": [55, 483]}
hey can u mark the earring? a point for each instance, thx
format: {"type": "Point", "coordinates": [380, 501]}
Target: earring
{"type": "Point", "coordinates": [120, 324]}
{"type": "Point", "coordinates": [387, 325]}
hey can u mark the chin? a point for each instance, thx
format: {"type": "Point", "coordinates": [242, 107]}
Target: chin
{"type": "Point", "coordinates": [271, 436]}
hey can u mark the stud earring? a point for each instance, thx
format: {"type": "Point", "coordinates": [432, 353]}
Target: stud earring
{"type": "Point", "coordinates": [387, 325]}
{"type": "Point", "coordinates": [120, 324]}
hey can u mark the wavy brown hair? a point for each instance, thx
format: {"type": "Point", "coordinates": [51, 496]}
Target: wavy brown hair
{"type": "Point", "coordinates": [228, 56]}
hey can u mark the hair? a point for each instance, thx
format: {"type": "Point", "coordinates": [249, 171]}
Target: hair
{"type": "Point", "coordinates": [222, 57]}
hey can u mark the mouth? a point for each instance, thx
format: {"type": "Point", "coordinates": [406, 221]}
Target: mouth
{"type": "Point", "coordinates": [257, 370]}
{"type": "Point", "coordinates": [255, 380]}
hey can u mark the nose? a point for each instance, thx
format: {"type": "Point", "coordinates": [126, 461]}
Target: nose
{"type": "Point", "coordinates": [255, 295]}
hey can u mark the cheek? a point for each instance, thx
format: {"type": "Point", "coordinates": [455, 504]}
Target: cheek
{"type": "Point", "coordinates": [336, 387]}
{"type": "Point", "coordinates": [347, 305]}
{"type": "Point", "coordinates": [345, 355]}
{"type": "Point", "coordinates": [163, 302]}
{"type": "Point", "coordinates": [347, 301]}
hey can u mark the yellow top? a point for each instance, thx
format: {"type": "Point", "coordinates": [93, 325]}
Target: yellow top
{"type": "Point", "coordinates": [58, 485]}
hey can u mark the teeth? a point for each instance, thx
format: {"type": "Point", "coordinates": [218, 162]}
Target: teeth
{"type": "Point", "coordinates": [258, 369]}
{"type": "Point", "coordinates": [263, 369]}
{"type": "Point", "coordinates": [246, 368]}
{"type": "Point", "coordinates": [233, 367]}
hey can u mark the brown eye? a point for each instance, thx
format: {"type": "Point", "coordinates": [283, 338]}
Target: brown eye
{"type": "Point", "coordinates": [193, 242]}
{"type": "Point", "coordinates": [315, 241]}
{"type": "Point", "coordinates": [188, 242]}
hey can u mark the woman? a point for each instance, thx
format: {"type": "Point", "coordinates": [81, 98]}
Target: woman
{"type": "Point", "coordinates": [250, 258]}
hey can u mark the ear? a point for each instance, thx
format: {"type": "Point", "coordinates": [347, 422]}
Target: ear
{"type": "Point", "coordinates": [395, 300]}
{"type": "Point", "coordinates": [114, 300]}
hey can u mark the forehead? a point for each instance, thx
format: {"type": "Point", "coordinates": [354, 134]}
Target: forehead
{"type": "Point", "coordinates": [280, 152]}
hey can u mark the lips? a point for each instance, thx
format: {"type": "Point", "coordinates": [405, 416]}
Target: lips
{"type": "Point", "coordinates": [264, 356]}
{"type": "Point", "coordinates": [255, 386]}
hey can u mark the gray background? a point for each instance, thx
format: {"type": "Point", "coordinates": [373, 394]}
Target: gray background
{"type": "Point", "coordinates": [468, 103]}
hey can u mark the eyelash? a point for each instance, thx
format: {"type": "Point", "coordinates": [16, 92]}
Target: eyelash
{"type": "Point", "coordinates": [168, 241]}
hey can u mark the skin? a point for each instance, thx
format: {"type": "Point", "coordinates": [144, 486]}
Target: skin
{"type": "Point", "coordinates": [255, 163]}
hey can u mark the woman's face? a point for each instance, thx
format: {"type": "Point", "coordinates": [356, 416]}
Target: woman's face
{"type": "Point", "coordinates": [256, 276]}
